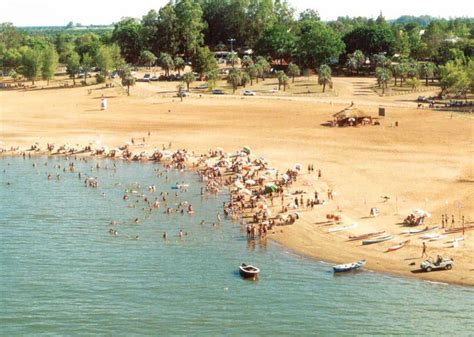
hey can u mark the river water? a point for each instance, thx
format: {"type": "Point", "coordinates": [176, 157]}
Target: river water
{"type": "Point", "coordinates": [62, 273]}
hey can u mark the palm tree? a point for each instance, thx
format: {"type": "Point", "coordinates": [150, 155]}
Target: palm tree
{"type": "Point", "coordinates": [234, 78]}
{"type": "Point", "coordinates": [352, 64]}
{"type": "Point", "coordinates": [403, 72]}
{"type": "Point", "coordinates": [247, 62]}
{"type": "Point", "coordinates": [179, 64]}
{"type": "Point", "coordinates": [396, 72]}
{"type": "Point", "coordinates": [265, 66]}
{"type": "Point", "coordinates": [253, 73]}
{"type": "Point", "coordinates": [359, 58]}
{"type": "Point", "coordinates": [259, 70]}
{"type": "Point", "coordinates": [383, 76]}
{"type": "Point", "coordinates": [127, 78]}
{"type": "Point", "coordinates": [293, 70]}
{"type": "Point", "coordinates": [324, 76]}
{"type": "Point", "coordinates": [166, 62]}
{"type": "Point", "coordinates": [245, 78]}
{"type": "Point", "coordinates": [232, 59]}
{"type": "Point", "coordinates": [282, 80]}
{"type": "Point", "coordinates": [212, 77]}
{"type": "Point", "coordinates": [188, 78]}
{"type": "Point", "coordinates": [427, 71]}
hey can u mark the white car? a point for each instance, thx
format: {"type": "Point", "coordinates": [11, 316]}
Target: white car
{"type": "Point", "coordinates": [249, 93]}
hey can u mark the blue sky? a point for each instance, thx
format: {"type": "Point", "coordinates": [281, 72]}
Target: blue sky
{"type": "Point", "coordinates": [60, 12]}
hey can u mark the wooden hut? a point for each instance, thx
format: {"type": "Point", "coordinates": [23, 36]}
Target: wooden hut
{"type": "Point", "coordinates": [351, 116]}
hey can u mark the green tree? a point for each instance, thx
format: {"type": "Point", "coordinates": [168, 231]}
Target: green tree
{"type": "Point", "coordinates": [167, 37]}
{"type": "Point", "coordinates": [427, 71]}
{"type": "Point", "coordinates": [293, 70]}
{"type": "Point", "coordinates": [234, 78]}
{"type": "Point", "coordinates": [383, 76]}
{"type": "Point", "coordinates": [86, 64]}
{"type": "Point", "coordinates": [282, 80]}
{"type": "Point", "coordinates": [127, 33]}
{"type": "Point", "coordinates": [245, 78]}
{"type": "Point", "coordinates": [50, 63]}
{"type": "Point", "coordinates": [128, 79]}
{"type": "Point", "coordinates": [166, 62]}
{"type": "Point", "coordinates": [232, 59]}
{"type": "Point", "coordinates": [253, 73]}
{"type": "Point", "coordinates": [73, 65]}
{"type": "Point", "coordinates": [247, 62]}
{"type": "Point", "coordinates": [147, 58]}
{"type": "Point", "coordinates": [324, 76]}
{"type": "Point", "coordinates": [179, 64]}
{"type": "Point", "coordinates": [212, 76]}
{"type": "Point", "coordinates": [264, 66]}
{"type": "Point", "coordinates": [277, 42]}
{"type": "Point", "coordinates": [188, 78]}
{"type": "Point", "coordinates": [370, 39]}
{"type": "Point", "coordinates": [190, 25]}
{"type": "Point", "coordinates": [414, 83]}
{"type": "Point", "coordinates": [31, 63]}
{"type": "Point", "coordinates": [108, 58]}
{"type": "Point", "coordinates": [203, 61]}
{"type": "Point", "coordinates": [319, 45]}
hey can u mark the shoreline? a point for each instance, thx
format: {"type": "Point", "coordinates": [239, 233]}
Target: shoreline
{"type": "Point", "coordinates": [285, 235]}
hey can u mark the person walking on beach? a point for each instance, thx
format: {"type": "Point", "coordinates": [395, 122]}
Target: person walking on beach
{"type": "Point", "coordinates": [424, 251]}
{"type": "Point", "coordinates": [452, 220]}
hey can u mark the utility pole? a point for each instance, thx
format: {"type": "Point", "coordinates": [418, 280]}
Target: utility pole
{"type": "Point", "coordinates": [231, 40]}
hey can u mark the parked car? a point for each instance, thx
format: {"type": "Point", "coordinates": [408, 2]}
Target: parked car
{"type": "Point", "coordinates": [146, 78]}
{"type": "Point", "coordinates": [218, 92]}
{"type": "Point", "coordinates": [154, 78]}
{"type": "Point", "coordinates": [440, 263]}
{"type": "Point", "coordinates": [249, 93]}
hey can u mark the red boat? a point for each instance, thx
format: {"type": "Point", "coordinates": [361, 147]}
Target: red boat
{"type": "Point", "coordinates": [399, 246]}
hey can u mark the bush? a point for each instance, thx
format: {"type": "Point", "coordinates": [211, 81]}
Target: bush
{"type": "Point", "coordinates": [100, 78]}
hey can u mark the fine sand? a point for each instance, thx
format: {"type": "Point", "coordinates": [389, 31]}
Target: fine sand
{"type": "Point", "coordinates": [426, 162]}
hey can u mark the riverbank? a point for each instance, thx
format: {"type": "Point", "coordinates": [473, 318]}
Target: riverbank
{"type": "Point", "coordinates": [423, 163]}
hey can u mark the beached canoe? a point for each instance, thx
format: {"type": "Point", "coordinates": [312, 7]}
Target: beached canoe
{"type": "Point", "coordinates": [430, 236]}
{"type": "Point", "coordinates": [364, 236]}
{"type": "Point", "coordinates": [349, 266]}
{"type": "Point", "coordinates": [399, 246]}
{"type": "Point", "coordinates": [377, 240]}
{"type": "Point", "coordinates": [341, 228]}
{"type": "Point", "coordinates": [248, 271]}
{"type": "Point", "coordinates": [438, 237]}
{"type": "Point", "coordinates": [419, 231]}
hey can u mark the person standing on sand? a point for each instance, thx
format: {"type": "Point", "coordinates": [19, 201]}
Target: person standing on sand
{"type": "Point", "coordinates": [424, 251]}
{"type": "Point", "coordinates": [319, 173]}
{"type": "Point", "coordinates": [452, 220]}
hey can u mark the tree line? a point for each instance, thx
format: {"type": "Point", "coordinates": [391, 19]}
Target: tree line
{"type": "Point", "coordinates": [185, 31]}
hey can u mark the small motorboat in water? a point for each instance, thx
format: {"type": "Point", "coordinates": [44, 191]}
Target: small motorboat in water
{"type": "Point", "coordinates": [349, 266]}
{"type": "Point", "coordinates": [248, 271]}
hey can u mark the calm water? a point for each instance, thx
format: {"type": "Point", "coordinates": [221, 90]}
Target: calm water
{"type": "Point", "coordinates": [63, 274]}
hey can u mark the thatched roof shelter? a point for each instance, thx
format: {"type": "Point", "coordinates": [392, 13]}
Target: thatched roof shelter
{"type": "Point", "coordinates": [350, 112]}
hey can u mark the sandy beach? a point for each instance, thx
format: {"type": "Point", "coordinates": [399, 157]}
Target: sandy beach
{"type": "Point", "coordinates": [426, 162]}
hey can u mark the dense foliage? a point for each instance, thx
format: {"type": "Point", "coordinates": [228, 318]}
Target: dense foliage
{"type": "Point", "coordinates": [266, 35]}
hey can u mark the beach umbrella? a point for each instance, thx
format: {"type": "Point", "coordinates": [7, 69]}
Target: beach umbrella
{"type": "Point", "coordinates": [245, 191]}
{"type": "Point", "coordinates": [246, 149]}
{"type": "Point", "coordinates": [250, 182]}
{"type": "Point", "coordinates": [298, 167]}
{"type": "Point", "coordinates": [270, 188]}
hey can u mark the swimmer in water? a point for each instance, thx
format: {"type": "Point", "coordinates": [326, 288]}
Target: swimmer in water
{"type": "Point", "coordinates": [165, 236]}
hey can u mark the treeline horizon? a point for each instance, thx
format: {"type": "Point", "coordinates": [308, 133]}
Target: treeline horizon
{"type": "Point", "coordinates": [268, 32]}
